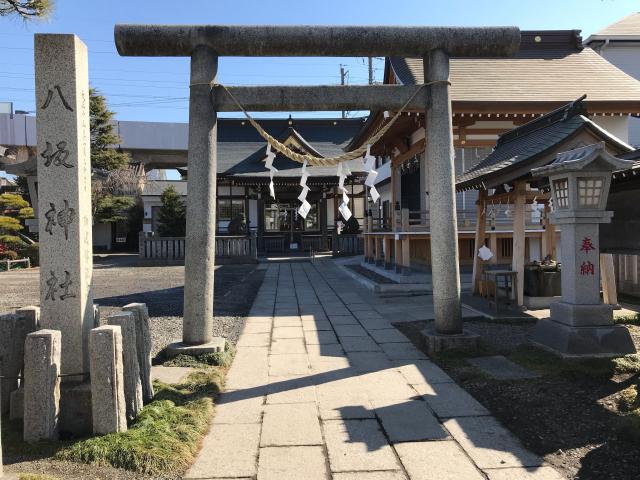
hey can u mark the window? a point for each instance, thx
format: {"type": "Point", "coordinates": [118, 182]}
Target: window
{"type": "Point", "coordinates": [230, 208]}
{"type": "Point", "coordinates": [589, 192]}
{"type": "Point", "coordinates": [561, 187]}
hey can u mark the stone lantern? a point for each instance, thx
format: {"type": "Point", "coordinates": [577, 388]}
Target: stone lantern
{"type": "Point", "coordinates": [580, 324]}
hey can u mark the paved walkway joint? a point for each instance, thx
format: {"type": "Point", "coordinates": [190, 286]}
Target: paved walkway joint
{"type": "Point", "coordinates": [323, 386]}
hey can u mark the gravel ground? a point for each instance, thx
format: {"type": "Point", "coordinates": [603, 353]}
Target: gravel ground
{"type": "Point", "coordinates": [570, 421]}
{"type": "Point", "coordinates": [118, 281]}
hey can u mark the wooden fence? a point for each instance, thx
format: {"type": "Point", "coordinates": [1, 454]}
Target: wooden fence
{"type": "Point", "coordinates": [627, 268]}
{"type": "Point", "coordinates": [237, 248]}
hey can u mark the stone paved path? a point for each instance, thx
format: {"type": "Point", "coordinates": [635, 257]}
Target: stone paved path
{"type": "Point", "coordinates": [324, 387]}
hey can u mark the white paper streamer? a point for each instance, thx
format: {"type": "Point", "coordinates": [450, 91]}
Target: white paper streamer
{"type": "Point", "coordinates": [371, 178]}
{"type": "Point", "coordinates": [373, 192]}
{"type": "Point", "coordinates": [346, 213]}
{"type": "Point", "coordinates": [303, 195]}
{"type": "Point", "coordinates": [345, 197]}
{"type": "Point", "coordinates": [268, 162]}
{"type": "Point", "coordinates": [369, 164]}
{"type": "Point", "coordinates": [304, 209]}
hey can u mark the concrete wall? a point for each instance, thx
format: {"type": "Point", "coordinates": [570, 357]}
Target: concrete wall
{"type": "Point", "coordinates": [617, 126]}
{"type": "Point", "coordinates": [626, 56]}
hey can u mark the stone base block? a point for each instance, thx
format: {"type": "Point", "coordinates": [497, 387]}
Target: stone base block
{"type": "Point", "coordinates": [436, 342]}
{"type": "Point", "coordinates": [75, 410]}
{"type": "Point", "coordinates": [582, 315]}
{"type": "Point", "coordinates": [16, 404]}
{"type": "Point", "coordinates": [179, 348]}
{"type": "Point", "coordinates": [590, 341]}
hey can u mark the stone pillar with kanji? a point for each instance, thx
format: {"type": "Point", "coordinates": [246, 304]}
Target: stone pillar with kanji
{"type": "Point", "coordinates": [581, 325]}
{"type": "Point", "coordinates": [64, 195]}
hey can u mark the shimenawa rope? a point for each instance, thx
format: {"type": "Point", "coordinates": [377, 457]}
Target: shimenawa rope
{"type": "Point", "coordinates": [326, 161]}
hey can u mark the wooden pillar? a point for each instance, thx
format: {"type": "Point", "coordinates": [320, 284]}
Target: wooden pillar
{"type": "Point", "coordinates": [493, 246]}
{"type": "Point", "coordinates": [260, 218]}
{"type": "Point", "coordinates": [549, 235]}
{"type": "Point", "coordinates": [517, 262]}
{"type": "Point", "coordinates": [406, 247]}
{"type": "Point", "coordinates": [608, 279]}
{"type": "Point", "coordinates": [387, 252]}
{"type": "Point", "coordinates": [324, 243]}
{"type": "Point", "coordinates": [365, 229]}
{"type": "Point", "coordinates": [246, 210]}
{"type": "Point", "coordinates": [371, 240]}
{"type": "Point", "coordinates": [481, 229]}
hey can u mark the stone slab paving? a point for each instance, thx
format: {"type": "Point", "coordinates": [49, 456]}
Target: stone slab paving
{"type": "Point", "coordinates": [501, 368]}
{"type": "Point", "coordinates": [324, 387]}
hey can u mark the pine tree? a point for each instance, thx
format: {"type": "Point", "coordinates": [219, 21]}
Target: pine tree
{"type": "Point", "coordinates": [13, 209]}
{"type": "Point", "coordinates": [103, 137]}
{"type": "Point", "coordinates": [172, 216]}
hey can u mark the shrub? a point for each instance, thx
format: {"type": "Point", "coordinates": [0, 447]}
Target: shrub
{"type": "Point", "coordinates": [8, 255]}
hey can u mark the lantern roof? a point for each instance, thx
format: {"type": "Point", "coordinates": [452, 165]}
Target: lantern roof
{"type": "Point", "coordinates": [590, 157]}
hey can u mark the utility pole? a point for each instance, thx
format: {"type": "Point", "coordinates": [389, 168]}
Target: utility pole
{"type": "Point", "coordinates": [370, 70]}
{"type": "Point", "coordinates": [343, 76]}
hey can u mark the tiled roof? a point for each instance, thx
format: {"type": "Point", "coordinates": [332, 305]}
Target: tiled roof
{"type": "Point", "coordinates": [518, 149]}
{"type": "Point", "coordinates": [627, 26]}
{"type": "Point", "coordinates": [554, 71]}
{"type": "Point", "coordinates": [241, 150]}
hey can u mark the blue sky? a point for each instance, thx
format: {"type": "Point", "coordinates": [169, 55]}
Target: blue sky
{"type": "Point", "coordinates": [155, 89]}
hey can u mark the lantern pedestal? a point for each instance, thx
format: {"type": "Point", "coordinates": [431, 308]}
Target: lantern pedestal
{"type": "Point", "coordinates": [570, 341]}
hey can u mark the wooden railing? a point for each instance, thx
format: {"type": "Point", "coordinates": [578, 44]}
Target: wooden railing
{"type": "Point", "coordinates": [420, 220]}
{"type": "Point", "coordinates": [273, 244]}
{"type": "Point", "coordinates": [312, 243]}
{"type": "Point", "coordinates": [173, 248]}
{"type": "Point", "coordinates": [347, 244]}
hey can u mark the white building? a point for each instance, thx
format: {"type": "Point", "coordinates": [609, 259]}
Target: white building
{"type": "Point", "coordinates": [619, 43]}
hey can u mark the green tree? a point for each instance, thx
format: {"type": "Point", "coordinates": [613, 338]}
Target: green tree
{"type": "Point", "coordinates": [103, 136]}
{"type": "Point", "coordinates": [27, 9]}
{"type": "Point", "coordinates": [13, 210]}
{"type": "Point", "coordinates": [172, 216]}
{"type": "Point", "coordinates": [114, 208]}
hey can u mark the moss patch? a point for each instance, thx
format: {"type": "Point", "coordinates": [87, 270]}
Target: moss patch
{"type": "Point", "coordinates": [631, 319]}
{"type": "Point", "coordinates": [217, 359]}
{"type": "Point", "coordinates": [165, 437]}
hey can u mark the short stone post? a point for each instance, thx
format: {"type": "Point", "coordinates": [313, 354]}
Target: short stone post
{"type": "Point", "coordinates": [42, 385]}
{"type": "Point", "coordinates": [107, 380]}
{"type": "Point", "coordinates": [64, 194]}
{"type": "Point", "coordinates": [143, 347]}
{"type": "Point", "coordinates": [439, 151]}
{"type": "Point", "coordinates": [132, 382]}
{"type": "Point", "coordinates": [14, 328]}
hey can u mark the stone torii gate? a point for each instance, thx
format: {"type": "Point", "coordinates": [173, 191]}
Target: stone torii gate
{"type": "Point", "coordinates": [204, 44]}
